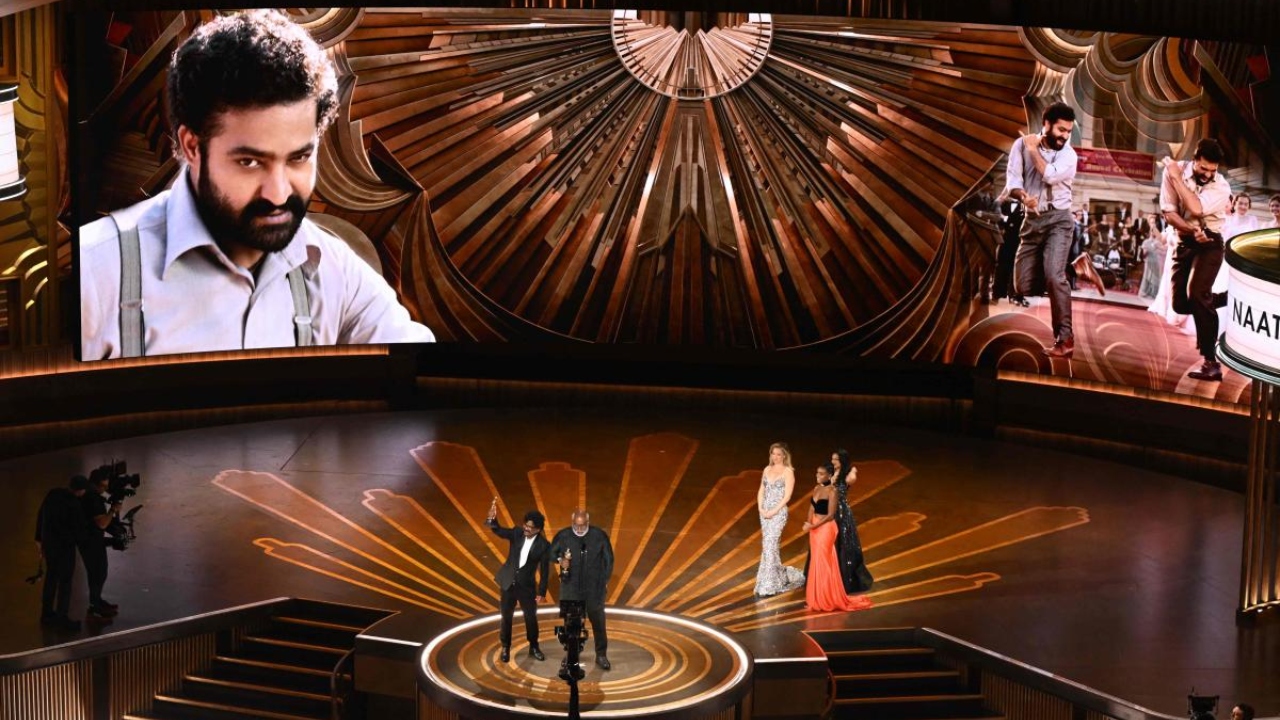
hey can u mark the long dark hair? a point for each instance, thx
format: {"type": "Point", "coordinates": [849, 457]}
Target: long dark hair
{"type": "Point", "coordinates": [845, 466]}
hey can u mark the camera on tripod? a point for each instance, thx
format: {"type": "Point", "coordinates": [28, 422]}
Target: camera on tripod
{"type": "Point", "coordinates": [1201, 707]}
{"type": "Point", "coordinates": [573, 637]}
{"type": "Point", "coordinates": [120, 485]}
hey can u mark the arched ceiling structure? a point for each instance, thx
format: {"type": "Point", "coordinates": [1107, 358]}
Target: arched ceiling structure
{"type": "Point", "coordinates": [582, 201]}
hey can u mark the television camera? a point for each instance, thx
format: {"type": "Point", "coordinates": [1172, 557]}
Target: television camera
{"type": "Point", "coordinates": [120, 485]}
{"type": "Point", "coordinates": [1201, 707]}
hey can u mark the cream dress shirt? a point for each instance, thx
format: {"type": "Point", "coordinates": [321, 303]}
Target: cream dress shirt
{"type": "Point", "coordinates": [195, 299]}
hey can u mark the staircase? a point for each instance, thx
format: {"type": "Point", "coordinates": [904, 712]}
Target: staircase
{"type": "Point", "coordinates": [281, 672]}
{"type": "Point", "coordinates": [885, 675]}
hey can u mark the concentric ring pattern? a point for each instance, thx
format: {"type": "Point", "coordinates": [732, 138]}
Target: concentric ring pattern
{"type": "Point", "coordinates": [673, 663]}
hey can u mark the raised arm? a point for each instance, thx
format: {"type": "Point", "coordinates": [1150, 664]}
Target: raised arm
{"type": "Point", "coordinates": [498, 529]}
{"type": "Point", "coordinates": [1178, 196]}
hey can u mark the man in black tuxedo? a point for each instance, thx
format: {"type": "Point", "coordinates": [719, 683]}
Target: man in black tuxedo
{"type": "Point", "coordinates": [529, 553]}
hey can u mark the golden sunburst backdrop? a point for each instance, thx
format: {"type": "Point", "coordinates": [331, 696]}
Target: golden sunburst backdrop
{"type": "Point", "coordinates": [701, 564]}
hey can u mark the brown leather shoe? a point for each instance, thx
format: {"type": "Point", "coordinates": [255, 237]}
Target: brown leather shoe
{"type": "Point", "coordinates": [1061, 349]}
{"type": "Point", "coordinates": [1085, 271]}
{"type": "Point", "coordinates": [1209, 370]}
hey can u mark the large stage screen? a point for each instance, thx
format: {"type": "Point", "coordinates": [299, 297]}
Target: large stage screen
{"type": "Point", "coordinates": [722, 180]}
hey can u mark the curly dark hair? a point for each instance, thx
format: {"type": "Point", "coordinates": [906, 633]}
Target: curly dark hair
{"type": "Point", "coordinates": [1058, 111]}
{"type": "Point", "coordinates": [536, 518]}
{"type": "Point", "coordinates": [253, 59]}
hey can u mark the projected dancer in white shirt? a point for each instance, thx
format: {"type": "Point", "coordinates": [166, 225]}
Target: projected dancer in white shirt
{"type": "Point", "coordinates": [1039, 174]}
{"type": "Point", "coordinates": [1194, 197]}
{"type": "Point", "coordinates": [226, 259]}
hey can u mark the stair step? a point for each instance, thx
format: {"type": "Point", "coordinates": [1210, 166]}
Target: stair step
{"type": "Point", "coordinates": [318, 623]}
{"type": "Point", "coordinates": [350, 615]}
{"type": "Point", "coordinates": [254, 696]}
{"type": "Point", "coordinates": [311, 632]}
{"type": "Point", "coordinates": [862, 639]}
{"type": "Point", "coordinates": [170, 706]}
{"type": "Point", "coordinates": [911, 682]}
{"type": "Point", "coordinates": [289, 652]}
{"type": "Point", "coordinates": [914, 707]}
{"type": "Point", "coordinates": [850, 662]}
{"type": "Point", "coordinates": [290, 677]}
{"type": "Point", "coordinates": [883, 652]}
{"type": "Point", "coordinates": [958, 697]}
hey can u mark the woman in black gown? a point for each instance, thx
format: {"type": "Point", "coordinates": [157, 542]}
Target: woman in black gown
{"type": "Point", "coordinates": [853, 567]}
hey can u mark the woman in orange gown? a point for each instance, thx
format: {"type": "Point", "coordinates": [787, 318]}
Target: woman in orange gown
{"type": "Point", "coordinates": [824, 590]}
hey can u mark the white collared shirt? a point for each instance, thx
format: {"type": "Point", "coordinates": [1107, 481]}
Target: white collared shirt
{"type": "Point", "coordinates": [1214, 196]}
{"type": "Point", "coordinates": [195, 299]}
{"type": "Point", "coordinates": [1054, 187]}
{"type": "Point", "coordinates": [524, 550]}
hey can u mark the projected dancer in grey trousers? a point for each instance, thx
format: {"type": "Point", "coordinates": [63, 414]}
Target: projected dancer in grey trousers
{"type": "Point", "coordinates": [1039, 174]}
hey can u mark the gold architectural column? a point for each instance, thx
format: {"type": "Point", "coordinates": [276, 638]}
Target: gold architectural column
{"type": "Point", "coordinates": [1259, 590]}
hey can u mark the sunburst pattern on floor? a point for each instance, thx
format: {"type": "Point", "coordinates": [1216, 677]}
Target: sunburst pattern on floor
{"type": "Point", "coordinates": [697, 560]}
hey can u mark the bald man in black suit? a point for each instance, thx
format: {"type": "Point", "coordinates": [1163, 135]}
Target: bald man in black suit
{"type": "Point", "coordinates": [529, 553]}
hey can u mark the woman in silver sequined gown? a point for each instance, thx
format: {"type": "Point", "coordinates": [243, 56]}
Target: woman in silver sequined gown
{"type": "Point", "coordinates": [776, 484]}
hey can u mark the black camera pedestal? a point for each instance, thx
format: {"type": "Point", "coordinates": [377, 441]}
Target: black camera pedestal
{"type": "Point", "coordinates": [573, 636]}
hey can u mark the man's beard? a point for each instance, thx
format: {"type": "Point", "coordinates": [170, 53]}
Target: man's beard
{"type": "Point", "coordinates": [227, 225]}
{"type": "Point", "coordinates": [1056, 143]}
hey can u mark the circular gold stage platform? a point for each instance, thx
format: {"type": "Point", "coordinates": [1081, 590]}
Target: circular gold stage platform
{"type": "Point", "coordinates": [664, 666]}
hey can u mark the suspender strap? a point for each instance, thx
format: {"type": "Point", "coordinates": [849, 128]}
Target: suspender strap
{"type": "Point", "coordinates": [301, 307]}
{"type": "Point", "coordinates": [131, 322]}
{"type": "Point", "coordinates": [130, 291]}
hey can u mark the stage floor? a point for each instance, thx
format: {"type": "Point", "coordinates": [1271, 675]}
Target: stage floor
{"type": "Point", "coordinates": [1114, 577]}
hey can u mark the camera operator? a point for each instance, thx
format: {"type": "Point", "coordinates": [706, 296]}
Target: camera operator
{"type": "Point", "coordinates": [59, 529]}
{"type": "Point", "coordinates": [93, 549]}
{"type": "Point", "coordinates": [586, 562]}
